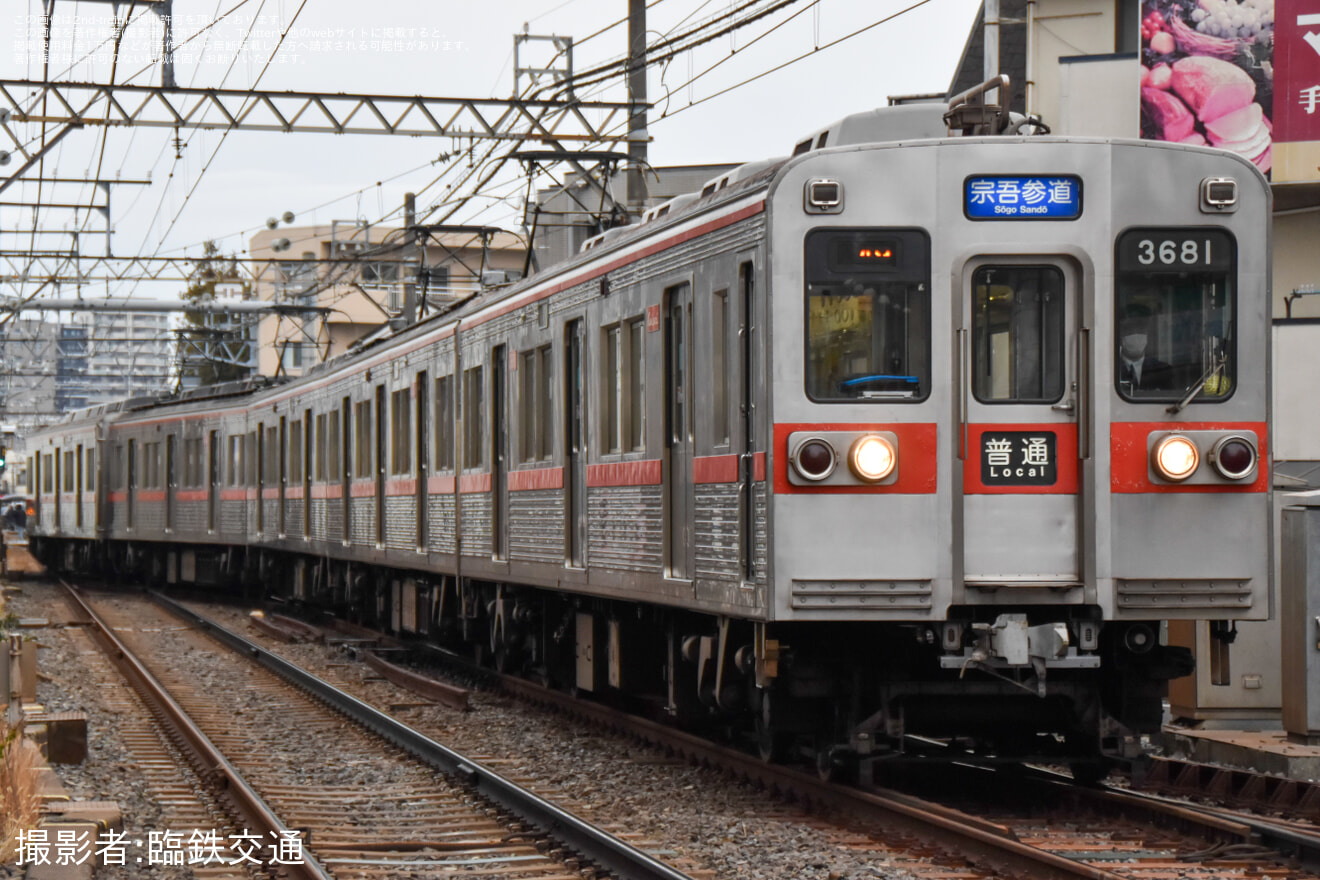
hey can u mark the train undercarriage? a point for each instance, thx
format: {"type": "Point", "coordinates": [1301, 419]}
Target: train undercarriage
{"type": "Point", "coordinates": [841, 696]}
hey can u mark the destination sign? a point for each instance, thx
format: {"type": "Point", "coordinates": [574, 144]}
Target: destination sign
{"type": "Point", "coordinates": [1000, 197]}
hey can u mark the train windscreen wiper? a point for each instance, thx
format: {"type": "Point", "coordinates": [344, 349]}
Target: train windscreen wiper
{"type": "Point", "coordinates": [1195, 388]}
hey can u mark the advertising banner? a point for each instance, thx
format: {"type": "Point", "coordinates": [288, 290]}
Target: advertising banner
{"type": "Point", "coordinates": [1208, 74]}
{"type": "Point", "coordinates": [1297, 90]}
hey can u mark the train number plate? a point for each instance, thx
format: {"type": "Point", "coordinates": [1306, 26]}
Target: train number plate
{"type": "Point", "coordinates": [1019, 458]}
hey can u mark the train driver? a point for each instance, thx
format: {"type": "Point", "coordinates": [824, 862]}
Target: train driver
{"type": "Point", "coordinates": [1138, 369]}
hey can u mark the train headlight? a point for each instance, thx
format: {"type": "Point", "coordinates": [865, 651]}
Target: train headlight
{"type": "Point", "coordinates": [872, 458]}
{"type": "Point", "coordinates": [1234, 457]}
{"type": "Point", "coordinates": [1175, 458]}
{"type": "Point", "coordinates": [814, 459]}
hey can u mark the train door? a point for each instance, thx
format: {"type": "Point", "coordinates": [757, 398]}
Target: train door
{"type": "Point", "coordinates": [423, 455]}
{"type": "Point", "coordinates": [130, 487]}
{"type": "Point", "coordinates": [59, 490]}
{"type": "Point", "coordinates": [213, 463]}
{"type": "Point", "coordinates": [1022, 347]}
{"type": "Point", "coordinates": [575, 444]}
{"type": "Point", "coordinates": [284, 472]}
{"type": "Point", "coordinates": [678, 429]}
{"type": "Point", "coordinates": [745, 388]}
{"type": "Point", "coordinates": [381, 463]}
{"type": "Point", "coordinates": [499, 486]}
{"type": "Point", "coordinates": [306, 470]}
{"type": "Point", "coordinates": [78, 489]}
{"type": "Point", "coordinates": [171, 478]}
{"type": "Point", "coordinates": [345, 464]}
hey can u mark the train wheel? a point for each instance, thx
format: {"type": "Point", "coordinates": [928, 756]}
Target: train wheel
{"type": "Point", "coordinates": [1088, 772]}
{"type": "Point", "coordinates": [772, 744]}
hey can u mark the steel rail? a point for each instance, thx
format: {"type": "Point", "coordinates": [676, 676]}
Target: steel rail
{"type": "Point", "coordinates": [981, 842]}
{"type": "Point", "coordinates": [594, 844]}
{"type": "Point", "coordinates": [252, 809]}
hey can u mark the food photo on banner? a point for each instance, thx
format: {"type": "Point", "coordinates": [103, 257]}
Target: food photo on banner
{"type": "Point", "coordinates": [1207, 75]}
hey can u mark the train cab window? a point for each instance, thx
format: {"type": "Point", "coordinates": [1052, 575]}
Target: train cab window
{"type": "Point", "coordinates": [1174, 307]}
{"type": "Point", "coordinates": [867, 315]}
{"type": "Point", "coordinates": [1018, 340]}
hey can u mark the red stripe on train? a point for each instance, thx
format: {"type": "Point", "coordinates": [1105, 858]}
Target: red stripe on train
{"type": "Point", "coordinates": [536, 478]}
{"type": "Point", "coordinates": [918, 460]}
{"type": "Point", "coordinates": [625, 473]}
{"type": "Point", "coordinates": [1129, 459]}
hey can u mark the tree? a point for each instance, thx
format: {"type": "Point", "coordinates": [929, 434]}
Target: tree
{"type": "Point", "coordinates": [215, 347]}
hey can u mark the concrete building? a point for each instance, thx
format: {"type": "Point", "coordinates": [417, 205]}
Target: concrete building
{"type": "Point", "coordinates": [130, 354]}
{"type": "Point", "coordinates": [29, 353]}
{"type": "Point", "coordinates": [358, 274]}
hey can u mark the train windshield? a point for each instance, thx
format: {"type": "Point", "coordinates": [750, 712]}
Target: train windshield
{"type": "Point", "coordinates": [867, 315]}
{"type": "Point", "coordinates": [1174, 310]}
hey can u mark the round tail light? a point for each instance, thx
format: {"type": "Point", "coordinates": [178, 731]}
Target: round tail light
{"type": "Point", "coordinates": [814, 459]}
{"type": "Point", "coordinates": [872, 458]}
{"type": "Point", "coordinates": [1234, 457]}
{"type": "Point", "coordinates": [1175, 458]}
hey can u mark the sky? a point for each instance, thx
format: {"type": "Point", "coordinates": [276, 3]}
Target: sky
{"type": "Point", "coordinates": [218, 187]}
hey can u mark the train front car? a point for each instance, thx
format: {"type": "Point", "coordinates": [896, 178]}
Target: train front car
{"type": "Point", "coordinates": [1020, 419]}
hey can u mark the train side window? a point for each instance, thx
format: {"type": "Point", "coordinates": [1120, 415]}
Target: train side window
{"type": "Point", "coordinates": [444, 423]}
{"type": "Point", "coordinates": [612, 397]}
{"type": "Point", "coordinates": [527, 433]}
{"type": "Point", "coordinates": [117, 469]}
{"type": "Point", "coordinates": [535, 414]}
{"type": "Point", "coordinates": [1018, 339]}
{"type": "Point", "coordinates": [69, 485]}
{"type": "Point", "coordinates": [545, 396]}
{"type": "Point", "coordinates": [235, 460]}
{"type": "Point", "coordinates": [192, 462]}
{"type": "Point", "coordinates": [401, 432]}
{"type": "Point", "coordinates": [250, 458]}
{"type": "Point", "coordinates": [48, 483]}
{"type": "Point", "coordinates": [131, 476]}
{"type": "Point", "coordinates": [321, 448]}
{"type": "Point", "coordinates": [867, 322]}
{"type": "Point", "coordinates": [473, 417]}
{"type": "Point", "coordinates": [271, 461]}
{"type": "Point", "coordinates": [296, 451]}
{"type": "Point", "coordinates": [636, 345]}
{"type": "Point", "coordinates": [90, 472]}
{"type": "Point", "coordinates": [624, 386]}
{"type": "Point", "coordinates": [719, 374]}
{"type": "Point", "coordinates": [332, 457]}
{"type": "Point", "coordinates": [1174, 315]}
{"type": "Point", "coordinates": [362, 439]}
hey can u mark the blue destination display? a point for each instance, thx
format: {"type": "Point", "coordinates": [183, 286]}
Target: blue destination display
{"type": "Point", "coordinates": [1054, 197]}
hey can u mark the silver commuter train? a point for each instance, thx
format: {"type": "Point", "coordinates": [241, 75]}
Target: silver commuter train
{"type": "Point", "coordinates": [910, 433]}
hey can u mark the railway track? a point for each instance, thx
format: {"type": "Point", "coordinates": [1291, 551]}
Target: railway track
{"type": "Point", "coordinates": [1073, 832]}
{"type": "Point", "coordinates": [287, 765]}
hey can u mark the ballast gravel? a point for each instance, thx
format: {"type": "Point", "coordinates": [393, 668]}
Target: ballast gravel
{"type": "Point", "coordinates": [733, 831]}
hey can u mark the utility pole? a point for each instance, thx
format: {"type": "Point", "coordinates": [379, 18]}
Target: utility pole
{"type": "Point", "coordinates": [409, 252]}
{"type": "Point", "coordinates": [637, 106]}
